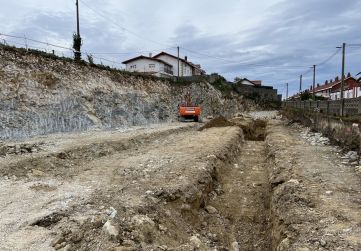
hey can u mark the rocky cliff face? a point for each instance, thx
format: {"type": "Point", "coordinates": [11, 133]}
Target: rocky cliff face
{"type": "Point", "coordinates": [40, 95]}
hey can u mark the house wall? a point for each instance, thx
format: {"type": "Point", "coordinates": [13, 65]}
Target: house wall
{"type": "Point", "coordinates": [145, 65]}
{"type": "Point", "coordinates": [353, 93]}
{"type": "Point", "coordinates": [184, 69]}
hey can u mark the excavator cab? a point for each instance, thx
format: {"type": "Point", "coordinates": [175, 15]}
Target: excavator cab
{"type": "Point", "coordinates": [188, 110]}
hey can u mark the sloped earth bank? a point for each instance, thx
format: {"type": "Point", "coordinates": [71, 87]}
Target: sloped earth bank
{"type": "Point", "coordinates": [316, 199]}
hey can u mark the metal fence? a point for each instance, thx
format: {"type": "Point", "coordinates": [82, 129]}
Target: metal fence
{"type": "Point", "coordinates": [352, 106]}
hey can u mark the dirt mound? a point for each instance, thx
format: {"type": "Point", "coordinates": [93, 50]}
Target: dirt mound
{"type": "Point", "coordinates": [217, 122]}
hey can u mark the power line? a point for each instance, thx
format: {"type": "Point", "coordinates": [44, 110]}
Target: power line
{"type": "Point", "coordinates": [116, 24]}
{"type": "Point", "coordinates": [132, 52]}
{"type": "Point", "coordinates": [36, 41]}
{"type": "Point", "coordinates": [244, 63]}
{"type": "Point", "coordinates": [330, 57]}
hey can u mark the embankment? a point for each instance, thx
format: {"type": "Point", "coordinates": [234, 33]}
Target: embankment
{"type": "Point", "coordinates": [41, 95]}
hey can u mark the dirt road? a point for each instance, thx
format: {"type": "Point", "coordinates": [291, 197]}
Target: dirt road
{"type": "Point", "coordinates": [172, 187]}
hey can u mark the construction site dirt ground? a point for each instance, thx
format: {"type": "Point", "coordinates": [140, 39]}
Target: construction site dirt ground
{"type": "Point", "coordinates": [256, 185]}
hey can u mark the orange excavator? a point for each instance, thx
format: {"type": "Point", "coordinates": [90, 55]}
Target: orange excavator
{"type": "Point", "coordinates": [188, 110]}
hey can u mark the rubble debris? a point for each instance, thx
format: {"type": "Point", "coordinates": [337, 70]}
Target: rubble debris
{"type": "Point", "coordinates": [18, 149]}
{"type": "Point", "coordinates": [315, 138]}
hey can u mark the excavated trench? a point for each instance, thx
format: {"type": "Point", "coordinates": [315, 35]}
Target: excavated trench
{"type": "Point", "coordinates": [224, 205]}
{"type": "Point", "coordinates": [233, 212]}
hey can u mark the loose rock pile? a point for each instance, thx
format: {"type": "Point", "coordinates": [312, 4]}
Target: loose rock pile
{"type": "Point", "coordinates": [315, 138]}
{"type": "Point", "coordinates": [350, 158]}
{"type": "Point", "coordinates": [17, 149]}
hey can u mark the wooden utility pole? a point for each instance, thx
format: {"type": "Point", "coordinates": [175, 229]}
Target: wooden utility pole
{"type": "Point", "coordinates": [314, 82]}
{"type": "Point", "coordinates": [300, 83]}
{"type": "Point", "coordinates": [77, 18]}
{"type": "Point", "coordinates": [76, 37]}
{"type": "Point", "coordinates": [286, 91]}
{"type": "Point", "coordinates": [342, 78]}
{"type": "Point", "coordinates": [178, 60]}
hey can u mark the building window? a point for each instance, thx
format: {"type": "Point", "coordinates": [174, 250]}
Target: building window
{"type": "Point", "coordinates": [151, 66]}
{"type": "Point", "coordinates": [133, 66]}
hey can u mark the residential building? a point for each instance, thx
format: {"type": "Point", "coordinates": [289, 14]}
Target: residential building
{"type": "Point", "coordinates": [331, 89]}
{"type": "Point", "coordinates": [186, 68]}
{"type": "Point", "coordinates": [163, 64]}
{"type": "Point", "coordinates": [246, 81]}
{"type": "Point", "coordinates": [149, 65]}
{"type": "Point", "coordinates": [351, 88]}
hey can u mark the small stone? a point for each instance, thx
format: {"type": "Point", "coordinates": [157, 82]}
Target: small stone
{"type": "Point", "coordinates": [110, 229]}
{"type": "Point", "coordinates": [234, 246]}
{"type": "Point", "coordinates": [17, 149]}
{"type": "Point", "coordinates": [59, 246]}
{"type": "Point", "coordinates": [57, 240]}
{"type": "Point", "coordinates": [111, 212]}
{"type": "Point", "coordinates": [185, 207]}
{"type": "Point", "coordinates": [68, 247]}
{"type": "Point", "coordinates": [323, 243]}
{"type": "Point", "coordinates": [38, 173]}
{"type": "Point", "coordinates": [195, 241]}
{"type": "Point", "coordinates": [162, 228]}
{"type": "Point", "coordinates": [211, 210]}
{"type": "Point", "coordinates": [328, 192]}
{"type": "Point", "coordinates": [294, 181]}
{"type": "Point", "coordinates": [284, 245]}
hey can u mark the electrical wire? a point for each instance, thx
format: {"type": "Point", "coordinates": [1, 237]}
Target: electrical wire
{"type": "Point", "coordinates": [123, 28]}
{"type": "Point", "coordinates": [36, 41]}
{"type": "Point", "coordinates": [131, 52]}
{"type": "Point", "coordinates": [329, 58]}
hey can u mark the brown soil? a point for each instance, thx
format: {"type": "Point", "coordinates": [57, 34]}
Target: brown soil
{"type": "Point", "coordinates": [217, 122]}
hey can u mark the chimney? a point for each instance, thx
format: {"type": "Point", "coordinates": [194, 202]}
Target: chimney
{"type": "Point", "coordinates": [331, 80]}
{"type": "Point", "coordinates": [336, 79]}
{"type": "Point", "coordinates": [311, 87]}
{"type": "Point", "coordinates": [349, 75]}
{"type": "Point", "coordinates": [318, 85]}
{"type": "Point", "coordinates": [150, 55]}
{"type": "Point", "coordinates": [186, 58]}
{"type": "Point", "coordinates": [326, 82]}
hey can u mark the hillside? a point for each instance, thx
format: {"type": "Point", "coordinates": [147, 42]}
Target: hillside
{"type": "Point", "coordinates": [42, 95]}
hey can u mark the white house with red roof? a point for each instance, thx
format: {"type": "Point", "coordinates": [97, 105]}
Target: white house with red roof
{"type": "Point", "coordinates": [149, 65]}
{"type": "Point", "coordinates": [163, 65]}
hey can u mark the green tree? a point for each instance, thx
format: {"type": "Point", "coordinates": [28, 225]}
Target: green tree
{"type": "Point", "coordinates": [306, 95]}
{"type": "Point", "coordinates": [76, 46]}
{"type": "Point", "coordinates": [90, 59]}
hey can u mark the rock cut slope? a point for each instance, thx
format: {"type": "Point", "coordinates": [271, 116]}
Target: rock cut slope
{"type": "Point", "coordinates": [40, 95]}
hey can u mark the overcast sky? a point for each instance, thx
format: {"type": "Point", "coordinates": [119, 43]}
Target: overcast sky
{"type": "Point", "coordinates": [271, 40]}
